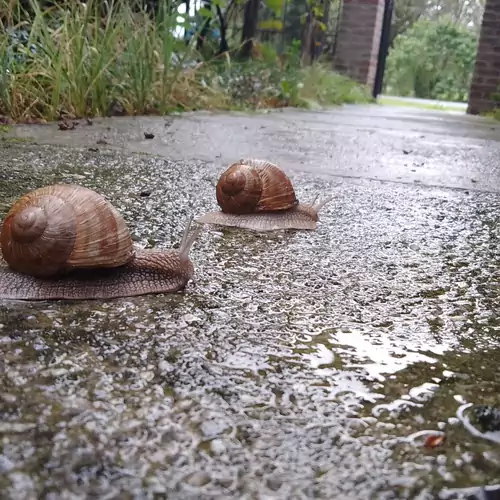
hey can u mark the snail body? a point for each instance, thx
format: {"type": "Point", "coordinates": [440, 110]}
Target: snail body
{"type": "Point", "coordinates": [67, 242]}
{"type": "Point", "coordinates": [257, 195]}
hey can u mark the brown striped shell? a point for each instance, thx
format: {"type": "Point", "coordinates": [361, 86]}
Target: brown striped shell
{"type": "Point", "coordinates": [254, 186]}
{"type": "Point", "coordinates": [55, 228]}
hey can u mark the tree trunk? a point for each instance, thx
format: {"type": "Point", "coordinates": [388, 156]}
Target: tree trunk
{"type": "Point", "coordinates": [308, 39]}
{"type": "Point", "coordinates": [319, 48]}
{"type": "Point", "coordinates": [223, 46]}
{"type": "Point", "coordinates": [207, 4]}
{"type": "Point", "coordinates": [249, 32]}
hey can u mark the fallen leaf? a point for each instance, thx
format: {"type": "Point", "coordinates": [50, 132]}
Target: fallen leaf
{"type": "Point", "coordinates": [435, 440]}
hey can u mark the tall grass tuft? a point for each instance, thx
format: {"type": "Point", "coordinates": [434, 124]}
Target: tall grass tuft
{"type": "Point", "coordinates": [86, 63]}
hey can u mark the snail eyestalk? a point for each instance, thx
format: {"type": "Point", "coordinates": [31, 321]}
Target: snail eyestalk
{"type": "Point", "coordinates": [321, 204]}
{"type": "Point", "coordinates": [185, 234]}
{"type": "Point", "coordinates": [188, 240]}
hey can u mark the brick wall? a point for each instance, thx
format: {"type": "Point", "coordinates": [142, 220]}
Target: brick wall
{"type": "Point", "coordinates": [358, 39]}
{"type": "Point", "coordinates": [486, 78]}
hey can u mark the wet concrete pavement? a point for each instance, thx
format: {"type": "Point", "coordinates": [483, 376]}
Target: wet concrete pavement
{"type": "Point", "coordinates": [370, 142]}
{"type": "Point", "coordinates": [297, 365]}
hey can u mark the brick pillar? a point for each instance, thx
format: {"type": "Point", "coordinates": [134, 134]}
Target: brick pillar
{"type": "Point", "coordinates": [358, 39]}
{"type": "Point", "coordinates": [486, 78]}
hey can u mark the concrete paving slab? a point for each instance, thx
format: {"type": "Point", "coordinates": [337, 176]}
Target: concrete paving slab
{"type": "Point", "coordinates": [296, 365]}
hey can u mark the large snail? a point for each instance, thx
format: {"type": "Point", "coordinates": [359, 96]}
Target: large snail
{"type": "Point", "coordinates": [67, 242]}
{"type": "Point", "coordinates": [257, 195]}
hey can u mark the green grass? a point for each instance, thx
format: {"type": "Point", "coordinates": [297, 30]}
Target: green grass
{"type": "Point", "coordinates": [17, 140]}
{"type": "Point", "coordinates": [387, 101]}
{"type": "Point", "coordinates": [324, 87]}
{"type": "Point", "coordinates": [494, 114]}
{"type": "Point", "coordinates": [87, 64]}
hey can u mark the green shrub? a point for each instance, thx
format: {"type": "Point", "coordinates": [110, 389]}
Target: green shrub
{"type": "Point", "coordinates": [75, 61]}
{"type": "Point", "coordinates": [433, 59]}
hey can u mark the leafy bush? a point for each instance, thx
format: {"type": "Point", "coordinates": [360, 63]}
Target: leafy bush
{"type": "Point", "coordinates": [270, 80]}
{"type": "Point", "coordinates": [76, 61]}
{"type": "Point", "coordinates": [433, 59]}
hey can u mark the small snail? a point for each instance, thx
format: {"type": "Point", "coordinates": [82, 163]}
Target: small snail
{"type": "Point", "coordinates": [257, 195]}
{"type": "Point", "coordinates": [67, 242]}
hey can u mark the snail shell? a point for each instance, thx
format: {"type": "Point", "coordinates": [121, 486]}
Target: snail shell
{"type": "Point", "coordinates": [258, 196]}
{"type": "Point", "coordinates": [56, 228]}
{"type": "Point", "coordinates": [254, 186]}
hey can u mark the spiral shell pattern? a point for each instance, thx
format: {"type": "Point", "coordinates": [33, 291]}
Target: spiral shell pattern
{"type": "Point", "coordinates": [252, 185]}
{"type": "Point", "coordinates": [55, 228]}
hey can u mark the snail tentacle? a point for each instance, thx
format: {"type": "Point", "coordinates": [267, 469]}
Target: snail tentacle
{"type": "Point", "coordinates": [321, 204]}
{"type": "Point", "coordinates": [188, 240]}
